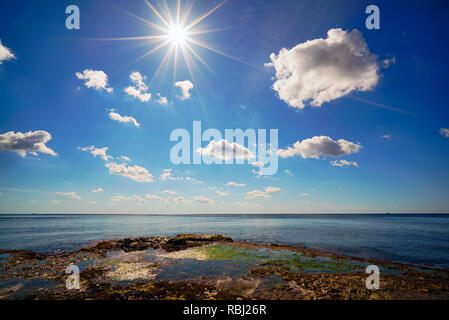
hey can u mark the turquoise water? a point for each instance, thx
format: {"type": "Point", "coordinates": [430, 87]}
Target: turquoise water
{"type": "Point", "coordinates": [421, 239]}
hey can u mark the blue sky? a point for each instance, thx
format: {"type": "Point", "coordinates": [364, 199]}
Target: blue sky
{"type": "Point", "coordinates": [402, 162]}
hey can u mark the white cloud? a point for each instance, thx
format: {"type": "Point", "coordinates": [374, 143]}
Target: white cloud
{"type": "Point", "coordinates": [204, 200]}
{"type": "Point", "coordinates": [304, 194]}
{"type": "Point", "coordinates": [342, 163]}
{"type": "Point", "coordinates": [320, 146]}
{"type": "Point", "coordinates": [5, 53]}
{"type": "Point", "coordinates": [288, 172]}
{"type": "Point", "coordinates": [56, 201]}
{"type": "Point", "coordinates": [135, 173]}
{"type": "Point", "coordinates": [124, 158]}
{"type": "Point", "coordinates": [386, 137]}
{"type": "Point", "coordinates": [150, 196]}
{"type": "Point", "coordinates": [168, 192]}
{"type": "Point", "coordinates": [138, 199]}
{"type": "Point", "coordinates": [224, 150]}
{"type": "Point", "coordinates": [185, 86]}
{"type": "Point", "coordinates": [101, 152]}
{"type": "Point", "coordinates": [124, 119]}
{"type": "Point", "coordinates": [100, 189]}
{"type": "Point", "coordinates": [221, 193]}
{"type": "Point", "coordinates": [386, 63]}
{"type": "Point", "coordinates": [255, 194]}
{"type": "Point", "coordinates": [265, 194]}
{"type": "Point", "coordinates": [70, 194]}
{"type": "Point", "coordinates": [272, 189]}
{"type": "Point", "coordinates": [139, 91]}
{"type": "Point", "coordinates": [322, 70]}
{"type": "Point", "coordinates": [178, 200]}
{"type": "Point", "coordinates": [92, 202]}
{"type": "Point", "coordinates": [444, 132]}
{"type": "Point", "coordinates": [161, 100]}
{"type": "Point", "coordinates": [96, 79]}
{"type": "Point", "coordinates": [30, 142]}
{"type": "Point", "coordinates": [258, 164]}
{"type": "Point", "coordinates": [166, 174]}
{"type": "Point", "coordinates": [118, 198]}
{"type": "Point", "coordinates": [235, 184]}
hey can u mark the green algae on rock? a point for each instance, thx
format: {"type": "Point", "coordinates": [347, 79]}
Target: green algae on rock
{"type": "Point", "coordinates": [195, 266]}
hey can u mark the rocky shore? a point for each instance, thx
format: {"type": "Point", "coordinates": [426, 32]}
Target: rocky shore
{"type": "Point", "coordinates": [196, 266]}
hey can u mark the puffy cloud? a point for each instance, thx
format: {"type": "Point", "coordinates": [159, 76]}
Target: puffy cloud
{"type": "Point", "coordinates": [221, 193]}
{"type": "Point", "coordinates": [139, 91]}
{"type": "Point", "coordinates": [30, 142]}
{"type": "Point", "coordinates": [320, 146]}
{"type": "Point", "coordinates": [304, 194]}
{"type": "Point", "coordinates": [222, 149]}
{"type": "Point", "coordinates": [323, 70]}
{"type": "Point", "coordinates": [100, 189]}
{"type": "Point", "coordinates": [235, 184]}
{"type": "Point", "coordinates": [444, 132]}
{"type": "Point", "coordinates": [101, 152]}
{"type": "Point", "coordinates": [265, 194]}
{"type": "Point", "coordinates": [342, 163]}
{"type": "Point", "coordinates": [185, 86]}
{"type": "Point", "coordinates": [161, 100]}
{"type": "Point", "coordinates": [5, 53]}
{"type": "Point", "coordinates": [135, 173]}
{"type": "Point", "coordinates": [96, 79]}
{"type": "Point", "coordinates": [70, 194]}
{"type": "Point", "coordinates": [203, 200]}
{"type": "Point", "coordinates": [124, 119]}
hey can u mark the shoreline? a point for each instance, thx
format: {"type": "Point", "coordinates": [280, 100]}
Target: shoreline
{"type": "Point", "coordinates": [213, 267]}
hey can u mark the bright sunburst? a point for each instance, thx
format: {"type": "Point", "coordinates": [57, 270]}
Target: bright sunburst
{"type": "Point", "coordinates": [176, 35]}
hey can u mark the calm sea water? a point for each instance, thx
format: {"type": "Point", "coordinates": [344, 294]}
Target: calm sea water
{"type": "Point", "coordinates": [421, 239]}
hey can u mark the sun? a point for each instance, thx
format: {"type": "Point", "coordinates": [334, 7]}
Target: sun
{"type": "Point", "coordinates": [177, 35]}
{"type": "Point", "coordinates": [180, 35]}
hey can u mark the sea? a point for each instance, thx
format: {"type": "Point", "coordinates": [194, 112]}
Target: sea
{"type": "Point", "coordinates": [407, 238]}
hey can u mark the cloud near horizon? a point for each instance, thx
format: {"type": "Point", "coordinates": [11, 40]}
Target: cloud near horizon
{"type": "Point", "coordinates": [322, 70]}
{"type": "Point", "coordinates": [72, 195]}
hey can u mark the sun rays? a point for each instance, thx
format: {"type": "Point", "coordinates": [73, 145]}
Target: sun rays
{"type": "Point", "coordinates": [177, 34]}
